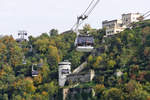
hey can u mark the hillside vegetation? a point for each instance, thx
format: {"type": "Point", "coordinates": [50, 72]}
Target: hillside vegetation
{"type": "Point", "coordinates": [127, 53]}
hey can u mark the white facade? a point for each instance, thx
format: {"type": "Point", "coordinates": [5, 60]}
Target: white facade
{"type": "Point", "coordinates": [127, 19]}
{"type": "Point", "coordinates": [116, 26]}
{"type": "Point", "coordinates": [113, 27]}
{"type": "Point", "coordinates": [64, 70]}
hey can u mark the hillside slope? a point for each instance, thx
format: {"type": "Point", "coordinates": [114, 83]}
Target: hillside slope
{"type": "Point", "coordinates": [127, 54]}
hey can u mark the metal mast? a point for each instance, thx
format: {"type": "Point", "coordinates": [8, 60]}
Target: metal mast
{"type": "Point", "coordinates": [22, 34]}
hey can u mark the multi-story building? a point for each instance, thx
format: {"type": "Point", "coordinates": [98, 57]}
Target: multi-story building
{"type": "Point", "coordinates": [113, 27]}
{"type": "Point", "coordinates": [127, 19]}
{"type": "Point", "coordinates": [116, 26]}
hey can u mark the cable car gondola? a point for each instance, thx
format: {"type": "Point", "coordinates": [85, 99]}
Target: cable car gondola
{"type": "Point", "coordinates": [34, 72]}
{"type": "Point", "coordinates": [84, 43]}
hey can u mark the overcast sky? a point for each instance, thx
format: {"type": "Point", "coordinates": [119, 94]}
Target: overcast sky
{"type": "Point", "coordinates": [38, 16]}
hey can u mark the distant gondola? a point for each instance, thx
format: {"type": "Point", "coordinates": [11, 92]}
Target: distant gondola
{"type": "Point", "coordinates": [34, 72]}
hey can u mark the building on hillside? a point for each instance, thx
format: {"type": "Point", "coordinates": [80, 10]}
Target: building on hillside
{"type": "Point", "coordinates": [129, 18]}
{"type": "Point", "coordinates": [64, 70]}
{"type": "Point", "coordinates": [118, 25]}
{"type": "Point", "coordinates": [113, 27]}
{"type": "Point", "coordinates": [81, 77]}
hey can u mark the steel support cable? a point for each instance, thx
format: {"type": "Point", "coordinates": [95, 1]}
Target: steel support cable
{"type": "Point", "coordinates": [93, 7]}
{"type": "Point", "coordinates": [90, 11]}
{"type": "Point", "coordinates": [73, 26]}
{"type": "Point", "coordinates": [76, 28]}
{"type": "Point", "coordinates": [146, 13]}
{"type": "Point", "coordinates": [88, 7]}
{"type": "Point", "coordinates": [76, 24]}
{"type": "Point", "coordinates": [84, 13]}
{"type": "Point", "coordinates": [147, 16]}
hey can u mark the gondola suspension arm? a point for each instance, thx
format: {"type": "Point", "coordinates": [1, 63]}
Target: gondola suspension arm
{"type": "Point", "coordinates": [85, 15]}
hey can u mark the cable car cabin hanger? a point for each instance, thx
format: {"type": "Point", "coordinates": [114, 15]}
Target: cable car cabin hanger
{"type": "Point", "coordinates": [84, 43]}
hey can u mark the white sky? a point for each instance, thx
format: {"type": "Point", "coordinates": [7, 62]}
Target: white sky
{"type": "Point", "coordinates": [38, 16]}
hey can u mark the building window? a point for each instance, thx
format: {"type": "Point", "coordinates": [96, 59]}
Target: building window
{"type": "Point", "coordinates": [65, 71]}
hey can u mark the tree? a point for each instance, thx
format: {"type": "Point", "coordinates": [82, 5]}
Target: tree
{"type": "Point", "coordinates": [147, 76]}
{"type": "Point", "coordinates": [53, 32]}
{"type": "Point", "coordinates": [99, 89]}
{"type": "Point", "coordinates": [111, 63]}
{"type": "Point", "coordinates": [113, 94]}
{"type": "Point", "coordinates": [49, 88]}
{"type": "Point", "coordinates": [24, 86]}
{"type": "Point", "coordinates": [76, 59]}
{"type": "Point", "coordinates": [41, 45]}
{"type": "Point", "coordinates": [135, 91]}
{"type": "Point", "coordinates": [98, 61]}
{"type": "Point", "coordinates": [147, 51]}
{"type": "Point", "coordinates": [90, 58]}
{"type": "Point", "coordinates": [53, 56]}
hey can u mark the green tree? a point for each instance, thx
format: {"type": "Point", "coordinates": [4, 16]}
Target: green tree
{"type": "Point", "coordinates": [135, 91]}
{"type": "Point", "coordinates": [113, 94]}
{"type": "Point", "coordinates": [111, 63]}
{"type": "Point", "coordinates": [53, 56]}
{"type": "Point", "coordinates": [53, 32]}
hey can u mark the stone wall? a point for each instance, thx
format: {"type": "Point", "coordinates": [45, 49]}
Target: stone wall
{"type": "Point", "coordinates": [81, 77]}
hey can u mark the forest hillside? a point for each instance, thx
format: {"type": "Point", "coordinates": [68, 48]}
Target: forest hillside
{"type": "Point", "coordinates": [122, 69]}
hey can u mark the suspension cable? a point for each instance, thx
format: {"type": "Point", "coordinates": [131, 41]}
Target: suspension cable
{"type": "Point", "coordinates": [86, 13]}
{"type": "Point", "coordinates": [146, 13]}
{"type": "Point", "coordinates": [88, 7]}
{"type": "Point", "coordinates": [147, 16]}
{"type": "Point", "coordinates": [90, 11]}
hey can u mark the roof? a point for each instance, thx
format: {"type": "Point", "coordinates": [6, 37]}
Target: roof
{"type": "Point", "coordinates": [64, 63]}
{"type": "Point", "coordinates": [106, 21]}
{"type": "Point", "coordinates": [130, 14]}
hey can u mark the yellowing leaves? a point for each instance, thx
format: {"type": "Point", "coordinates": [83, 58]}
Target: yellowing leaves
{"type": "Point", "coordinates": [42, 44]}
{"type": "Point", "coordinates": [90, 58]}
{"type": "Point", "coordinates": [2, 48]}
{"type": "Point", "coordinates": [99, 88]}
{"type": "Point", "coordinates": [52, 42]}
{"type": "Point", "coordinates": [2, 72]}
{"type": "Point", "coordinates": [53, 51]}
{"type": "Point", "coordinates": [38, 79]}
{"type": "Point", "coordinates": [111, 63]}
{"type": "Point", "coordinates": [113, 94]}
{"type": "Point", "coordinates": [53, 55]}
{"type": "Point", "coordinates": [25, 85]}
{"type": "Point", "coordinates": [118, 40]}
{"type": "Point", "coordinates": [44, 93]}
{"type": "Point", "coordinates": [98, 61]}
